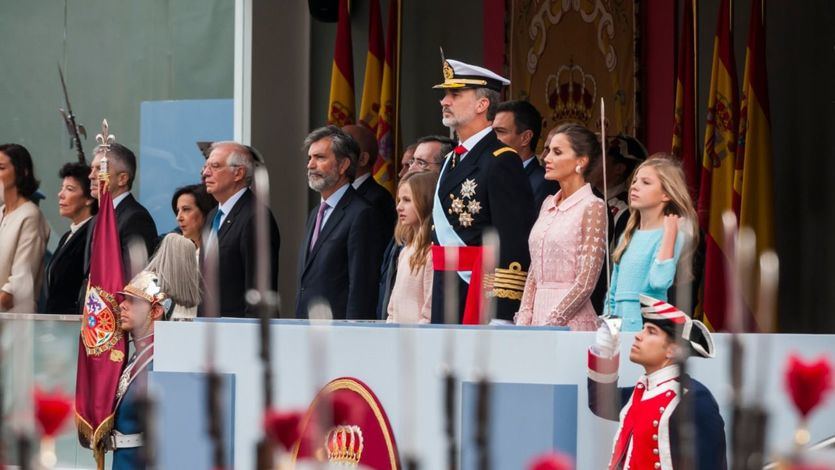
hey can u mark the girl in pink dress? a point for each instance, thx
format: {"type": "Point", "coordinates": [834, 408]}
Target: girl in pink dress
{"type": "Point", "coordinates": [568, 241]}
{"type": "Point", "coordinates": [411, 296]}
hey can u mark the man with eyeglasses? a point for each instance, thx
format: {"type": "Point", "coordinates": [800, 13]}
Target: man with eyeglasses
{"type": "Point", "coordinates": [429, 154]}
{"type": "Point", "coordinates": [228, 174]}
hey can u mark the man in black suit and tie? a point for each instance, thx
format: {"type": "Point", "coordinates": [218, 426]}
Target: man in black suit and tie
{"type": "Point", "coordinates": [135, 225]}
{"type": "Point", "coordinates": [339, 262]}
{"type": "Point", "coordinates": [364, 182]}
{"type": "Point", "coordinates": [228, 174]}
{"type": "Point", "coordinates": [518, 124]}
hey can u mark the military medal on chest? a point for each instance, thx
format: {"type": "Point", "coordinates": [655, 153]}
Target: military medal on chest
{"type": "Point", "coordinates": [466, 206]}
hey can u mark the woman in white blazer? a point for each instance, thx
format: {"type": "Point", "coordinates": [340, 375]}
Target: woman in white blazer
{"type": "Point", "coordinates": [23, 232]}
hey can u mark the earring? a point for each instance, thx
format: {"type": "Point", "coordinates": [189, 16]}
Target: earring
{"type": "Point", "coordinates": [578, 169]}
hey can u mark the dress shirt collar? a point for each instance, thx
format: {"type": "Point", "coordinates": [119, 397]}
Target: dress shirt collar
{"type": "Point", "coordinates": [359, 180]}
{"type": "Point", "coordinates": [118, 199]}
{"type": "Point", "coordinates": [74, 227]}
{"type": "Point", "coordinates": [227, 206]}
{"type": "Point", "coordinates": [474, 140]}
{"type": "Point", "coordinates": [570, 201]}
{"type": "Point", "coordinates": [334, 198]}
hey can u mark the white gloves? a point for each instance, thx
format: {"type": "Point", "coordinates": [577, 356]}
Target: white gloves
{"type": "Point", "coordinates": [607, 344]}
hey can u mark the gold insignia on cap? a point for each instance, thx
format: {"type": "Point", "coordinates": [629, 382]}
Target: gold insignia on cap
{"type": "Point", "coordinates": [448, 72]}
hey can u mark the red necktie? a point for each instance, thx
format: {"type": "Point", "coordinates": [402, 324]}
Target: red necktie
{"type": "Point", "coordinates": [458, 151]}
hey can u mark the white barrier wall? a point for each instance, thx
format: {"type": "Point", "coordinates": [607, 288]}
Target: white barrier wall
{"type": "Point", "coordinates": [306, 356]}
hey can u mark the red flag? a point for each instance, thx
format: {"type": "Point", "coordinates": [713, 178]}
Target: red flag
{"type": "Point", "coordinates": [373, 82]}
{"type": "Point", "coordinates": [341, 102]}
{"type": "Point", "coordinates": [684, 125]}
{"type": "Point", "coordinates": [387, 124]}
{"type": "Point", "coordinates": [102, 346]}
{"type": "Point", "coordinates": [718, 164]}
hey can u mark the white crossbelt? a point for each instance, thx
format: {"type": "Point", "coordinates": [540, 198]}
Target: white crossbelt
{"type": "Point", "coordinates": [126, 441]}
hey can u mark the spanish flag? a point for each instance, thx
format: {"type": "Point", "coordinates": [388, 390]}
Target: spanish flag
{"type": "Point", "coordinates": [373, 82]}
{"type": "Point", "coordinates": [718, 164]}
{"type": "Point", "coordinates": [341, 102]}
{"type": "Point", "coordinates": [387, 120]}
{"type": "Point", "coordinates": [102, 346]}
{"type": "Point", "coordinates": [755, 179]}
{"type": "Point", "coordinates": [684, 125]}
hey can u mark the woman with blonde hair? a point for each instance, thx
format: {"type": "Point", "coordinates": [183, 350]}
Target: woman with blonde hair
{"type": "Point", "coordinates": [411, 296]}
{"type": "Point", "coordinates": [657, 245]}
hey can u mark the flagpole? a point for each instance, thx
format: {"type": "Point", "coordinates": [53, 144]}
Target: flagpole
{"type": "Point", "coordinates": [695, 90]}
{"type": "Point", "coordinates": [395, 153]}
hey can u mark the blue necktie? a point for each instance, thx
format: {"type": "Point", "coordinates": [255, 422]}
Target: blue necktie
{"type": "Point", "coordinates": [216, 221]}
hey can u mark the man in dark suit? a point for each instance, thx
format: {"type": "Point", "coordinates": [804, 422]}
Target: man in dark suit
{"type": "Point", "coordinates": [228, 174]}
{"type": "Point", "coordinates": [364, 182]}
{"type": "Point", "coordinates": [482, 185]}
{"type": "Point", "coordinates": [518, 125]}
{"type": "Point", "coordinates": [340, 258]}
{"type": "Point", "coordinates": [135, 225]}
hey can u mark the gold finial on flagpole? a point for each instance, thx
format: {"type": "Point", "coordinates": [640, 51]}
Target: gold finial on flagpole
{"type": "Point", "coordinates": [105, 139]}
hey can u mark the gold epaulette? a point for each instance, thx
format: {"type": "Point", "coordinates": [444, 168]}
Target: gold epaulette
{"type": "Point", "coordinates": [507, 283]}
{"type": "Point", "coordinates": [502, 150]}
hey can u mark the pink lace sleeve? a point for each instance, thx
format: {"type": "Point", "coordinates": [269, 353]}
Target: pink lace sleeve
{"type": "Point", "coordinates": [525, 314]}
{"type": "Point", "coordinates": [591, 255]}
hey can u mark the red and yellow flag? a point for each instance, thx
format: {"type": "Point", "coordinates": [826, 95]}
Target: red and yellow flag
{"type": "Point", "coordinates": [755, 179]}
{"type": "Point", "coordinates": [102, 346]}
{"type": "Point", "coordinates": [387, 123]}
{"type": "Point", "coordinates": [341, 102]}
{"type": "Point", "coordinates": [684, 125]}
{"type": "Point", "coordinates": [718, 163]}
{"type": "Point", "coordinates": [373, 81]}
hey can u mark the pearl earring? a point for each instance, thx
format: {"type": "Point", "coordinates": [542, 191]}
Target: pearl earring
{"type": "Point", "coordinates": [578, 169]}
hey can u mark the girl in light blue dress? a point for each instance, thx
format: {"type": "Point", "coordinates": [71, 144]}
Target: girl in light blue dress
{"type": "Point", "coordinates": [658, 241]}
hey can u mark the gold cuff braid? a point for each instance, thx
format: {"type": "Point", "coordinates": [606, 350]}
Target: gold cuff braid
{"type": "Point", "coordinates": [506, 283]}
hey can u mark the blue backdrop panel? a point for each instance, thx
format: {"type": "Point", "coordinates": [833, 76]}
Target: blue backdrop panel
{"type": "Point", "coordinates": [168, 153]}
{"type": "Point", "coordinates": [525, 421]}
{"type": "Point", "coordinates": [182, 419]}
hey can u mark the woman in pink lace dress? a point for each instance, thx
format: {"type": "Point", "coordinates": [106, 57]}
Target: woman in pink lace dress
{"type": "Point", "coordinates": [568, 241]}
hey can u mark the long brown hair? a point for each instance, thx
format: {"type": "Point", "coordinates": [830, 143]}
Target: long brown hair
{"type": "Point", "coordinates": [422, 185]}
{"type": "Point", "coordinates": [674, 185]}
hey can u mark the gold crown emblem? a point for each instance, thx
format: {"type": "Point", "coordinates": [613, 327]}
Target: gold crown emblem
{"type": "Point", "coordinates": [571, 95]}
{"type": "Point", "coordinates": [449, 74]}
{"type": "Point", "coordinates": [344, 444]}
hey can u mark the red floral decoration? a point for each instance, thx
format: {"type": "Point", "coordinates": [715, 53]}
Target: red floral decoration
{"type": "Point", "coordinates": [808, 383]}
{"type": "Point", "coordinates": [52, 410]}
{"type": "Point", "coordinates": [283, 427]}
{"type": "Point", "coordinates": [551, 461]}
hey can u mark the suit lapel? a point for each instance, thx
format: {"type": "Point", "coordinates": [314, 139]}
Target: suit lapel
{"type": "Point", "coordinates": [333, 220]}
{"type": "Point", "coordinates": [454, 176]}
{"type": "Point", "coordinates": [239, 206]}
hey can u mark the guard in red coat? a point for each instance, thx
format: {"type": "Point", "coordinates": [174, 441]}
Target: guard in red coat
{"type": "Point", "coordinates": [648, 412]}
